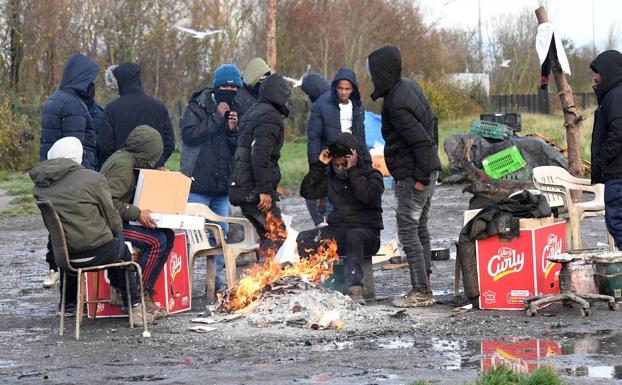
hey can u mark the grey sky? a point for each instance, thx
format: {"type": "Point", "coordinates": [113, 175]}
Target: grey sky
{"type": "Point", "coordinates": [572, 18]}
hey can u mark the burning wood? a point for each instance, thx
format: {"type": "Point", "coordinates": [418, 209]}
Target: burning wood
{"type": "Point", "coordinates": [272, 275]}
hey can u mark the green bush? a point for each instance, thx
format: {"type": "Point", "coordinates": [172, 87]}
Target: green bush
{"type": "Point", "coordinates": [18, 144]}
{"type": "Point", "coordinates": [450, 101]}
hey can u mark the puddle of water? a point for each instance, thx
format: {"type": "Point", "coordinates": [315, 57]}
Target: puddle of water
{"type": "Point", "coordinates": [576, 355]}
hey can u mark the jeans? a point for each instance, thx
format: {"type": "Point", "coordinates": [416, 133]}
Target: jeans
{"type": "Point", "coordinates": [319, 210]}
{"type": "Point", "coordinates": [268, 246]}
{"type": "Point", "coordinates": [113, 251]}
{"type": "Point", "coordinates": [613, 210]}
{"type": "Point", "coordinates": [219, 204]}
{"type": "Point", "coordinates": [412, 210]}
{"type": "Point", "coordinates": [156, 245]}
{"type": "Point", "coordinates": [353, 243]}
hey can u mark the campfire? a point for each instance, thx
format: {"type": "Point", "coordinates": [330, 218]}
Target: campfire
{"type": "Point", "coordinates": [256, 280]}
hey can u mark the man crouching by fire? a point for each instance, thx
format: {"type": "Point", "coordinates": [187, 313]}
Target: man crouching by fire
{"type": "Point", "coordinates": [354, 188]}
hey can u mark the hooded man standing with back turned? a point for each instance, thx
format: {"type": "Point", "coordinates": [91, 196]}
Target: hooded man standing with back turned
{"type": "Point", "coordinates": [607, 137]}
{"type": "Point", "coordinates": [412, 159]}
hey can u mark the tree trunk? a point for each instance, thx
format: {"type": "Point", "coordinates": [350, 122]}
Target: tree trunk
{"type": "Point", "coordinates": [271, 38]}
{"type": "Point", "coordinates": [572, 122]}
{"type": "Point", "coordinates": [16, 48]}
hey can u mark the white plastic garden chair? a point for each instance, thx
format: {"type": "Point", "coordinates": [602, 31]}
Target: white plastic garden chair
{"type": "Point", "coordinates": [199, 245]}
{"type": "Point", "coordinates": [556, 184]}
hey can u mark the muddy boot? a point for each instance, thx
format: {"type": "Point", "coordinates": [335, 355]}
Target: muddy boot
{"type": "Point", "coordinates": [137, 315]}
{"type": "Point", "coordinates": [356, 293]}
{"type": "Point", "coordinates": [414, 298]}
{"type": "Point", "coordinates": [152, 309]}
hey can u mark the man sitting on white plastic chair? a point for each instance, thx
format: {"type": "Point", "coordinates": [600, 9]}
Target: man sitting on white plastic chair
{"type": "Point", "coordinates": [92, 226]}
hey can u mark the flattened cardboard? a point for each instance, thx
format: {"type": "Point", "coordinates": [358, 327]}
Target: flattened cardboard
{"type": "Point", "coordinates": [163, 192]}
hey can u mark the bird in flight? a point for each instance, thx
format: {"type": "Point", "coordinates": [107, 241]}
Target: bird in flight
{"type": "Point", "coordinates": [506, 63]}
{"type": "Point", "coordinates": [298, 82]}
{"type": "Point", "coordinates": [200, 34]}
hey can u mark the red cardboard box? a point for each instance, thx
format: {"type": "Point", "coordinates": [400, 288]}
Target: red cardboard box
{"type": "Point", "coordinates": [509, 272]}
{"type": "Point", "coordinates": [171, 289]}
{"type": "Point", "coordinates": [518, 354]}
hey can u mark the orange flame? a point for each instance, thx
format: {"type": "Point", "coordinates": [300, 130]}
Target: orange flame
{"type": "Point", "coordinates": [316, 268]}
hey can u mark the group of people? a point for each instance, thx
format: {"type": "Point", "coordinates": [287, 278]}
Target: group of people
{"type": "Point", "coordinates": [232, 133]}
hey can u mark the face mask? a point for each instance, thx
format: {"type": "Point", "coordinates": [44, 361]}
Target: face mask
{"type": "Point", "coordinates": [225, 96]}
{"type": "Point", "coordinates": [340, 173]}
{"type": "Point", "coordinates": [90, 92]}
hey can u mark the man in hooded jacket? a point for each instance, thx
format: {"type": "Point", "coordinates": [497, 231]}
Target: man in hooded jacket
{"type": "Point", "coordinates": [142, 150]}
{"type": "Point", "coordinates": [607, 137]}
{"type": "Point", "coordinates": [354, 188]}
{"type": "Point", "coordinates": [92, 226]}
{"type": "Point", "coordinates": [256, 173]}
{"type": "Point", "coordinates": [131, 109]}
{"type": "Point", "coordinates": [411, 156]}
{"type": "Point", "coordinates": [315, 85]}
{"type": "Point", "coordinates": [66, 114]}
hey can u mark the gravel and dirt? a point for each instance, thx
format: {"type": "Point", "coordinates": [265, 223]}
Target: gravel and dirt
{"type": "Point", "coordinates": [376, 345]}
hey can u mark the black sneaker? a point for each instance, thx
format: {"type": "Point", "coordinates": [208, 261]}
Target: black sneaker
{"type": "Point", "coordinates": [70, 310]}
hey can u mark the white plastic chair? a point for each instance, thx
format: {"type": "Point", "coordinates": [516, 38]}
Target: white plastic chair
{"type": "Point", "coordinates": [556, 184]}
{"type": "Point", "coordinates": [200, 245]}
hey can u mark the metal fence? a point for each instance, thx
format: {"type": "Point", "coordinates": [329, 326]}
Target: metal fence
{"type": "Point", "coordinates": [543, 103]}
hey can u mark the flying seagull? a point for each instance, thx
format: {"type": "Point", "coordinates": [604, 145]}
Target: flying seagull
{"type": "Point", "coordinates": [200, 34]}
{"type": "Point", "coordinates": [506, 63]}
{"type": "Point", "coordinates": [298, 82]}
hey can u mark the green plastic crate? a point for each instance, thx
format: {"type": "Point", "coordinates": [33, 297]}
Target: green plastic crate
{"type": "Point", "coordinates": [503, 163]}
{"type": "Point", "coordinates": [491, 130]}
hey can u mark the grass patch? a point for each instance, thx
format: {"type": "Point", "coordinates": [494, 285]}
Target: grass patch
{"type": "Point", "coordinates": [505, 376]}
{"type": "Point", "coordinates": [293, 163]}
{"type": "Point", "coordinates": [18, 186]}
{"type": "Point", "coordinates": [172, 163]}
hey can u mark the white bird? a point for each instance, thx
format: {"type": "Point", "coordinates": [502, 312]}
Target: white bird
{"type": "Point", "coordinates": [298, 82]}
{"type": "Point", "coordinates": [506, 63]}
{"type": "Point", "coordinates": [200, 34]}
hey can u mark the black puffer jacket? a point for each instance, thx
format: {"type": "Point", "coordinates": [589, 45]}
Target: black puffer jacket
{"type": "Point", "coordinates": [256, 162]}
{"type": "Point", "coordinates": [607, 131]}
{"type": "Point", "coordinates": [325, 123]}
{"type": "Point", "coordinates": [357, 200]}
{"type": "Point", "coordinates": [209, 145]}
{"type": "Point", "coordinates": [66, 114]}
{"type": "Point", "coordinates": [314, 85]}
{"type": "Point", "coordinates": [407, 121]}
{"type": "Point", "coordinates": [132, 109]}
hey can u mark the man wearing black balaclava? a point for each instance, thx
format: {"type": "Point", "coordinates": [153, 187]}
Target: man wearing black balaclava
{"type": "Point", "coordinates": [607, 137]}
{"type": "Point", "coordinates": [209, 131]}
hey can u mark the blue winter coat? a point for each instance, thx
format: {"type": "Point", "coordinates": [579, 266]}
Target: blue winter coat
{"type": "Point", "coordinates": [325, 124]}
{"type": "Point", "coordinates": [66, 114]}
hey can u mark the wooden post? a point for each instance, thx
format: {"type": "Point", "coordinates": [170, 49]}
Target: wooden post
{"type": "Point", "coordinates": [271, 35]}
{"type": "Point", "coordinates": [572, 121]}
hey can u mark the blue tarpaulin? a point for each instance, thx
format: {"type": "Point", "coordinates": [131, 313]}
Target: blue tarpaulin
{"type": "Point", "coordinates": [372, 129]}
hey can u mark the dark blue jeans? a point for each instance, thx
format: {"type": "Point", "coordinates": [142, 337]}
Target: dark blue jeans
{"type": "Point", "coordinates": [319, 210]}
{"type": "Point", "coordinates": [219, 204]}
{"type": "Point", "coordinates": [613, 210]}
{"type": "Point", "coordinates": [412, 210]}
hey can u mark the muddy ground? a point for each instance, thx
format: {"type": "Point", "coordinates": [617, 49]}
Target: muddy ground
{"type": "Point", "coordinates": [380, 347]}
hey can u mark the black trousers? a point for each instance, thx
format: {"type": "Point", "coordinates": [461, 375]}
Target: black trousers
{"type": "Point", "coordinates": [111, 252]}
{"type": "Point", "coordinates": [353, 243]}
{"type": "Point", "coordinates": [268, 246]}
